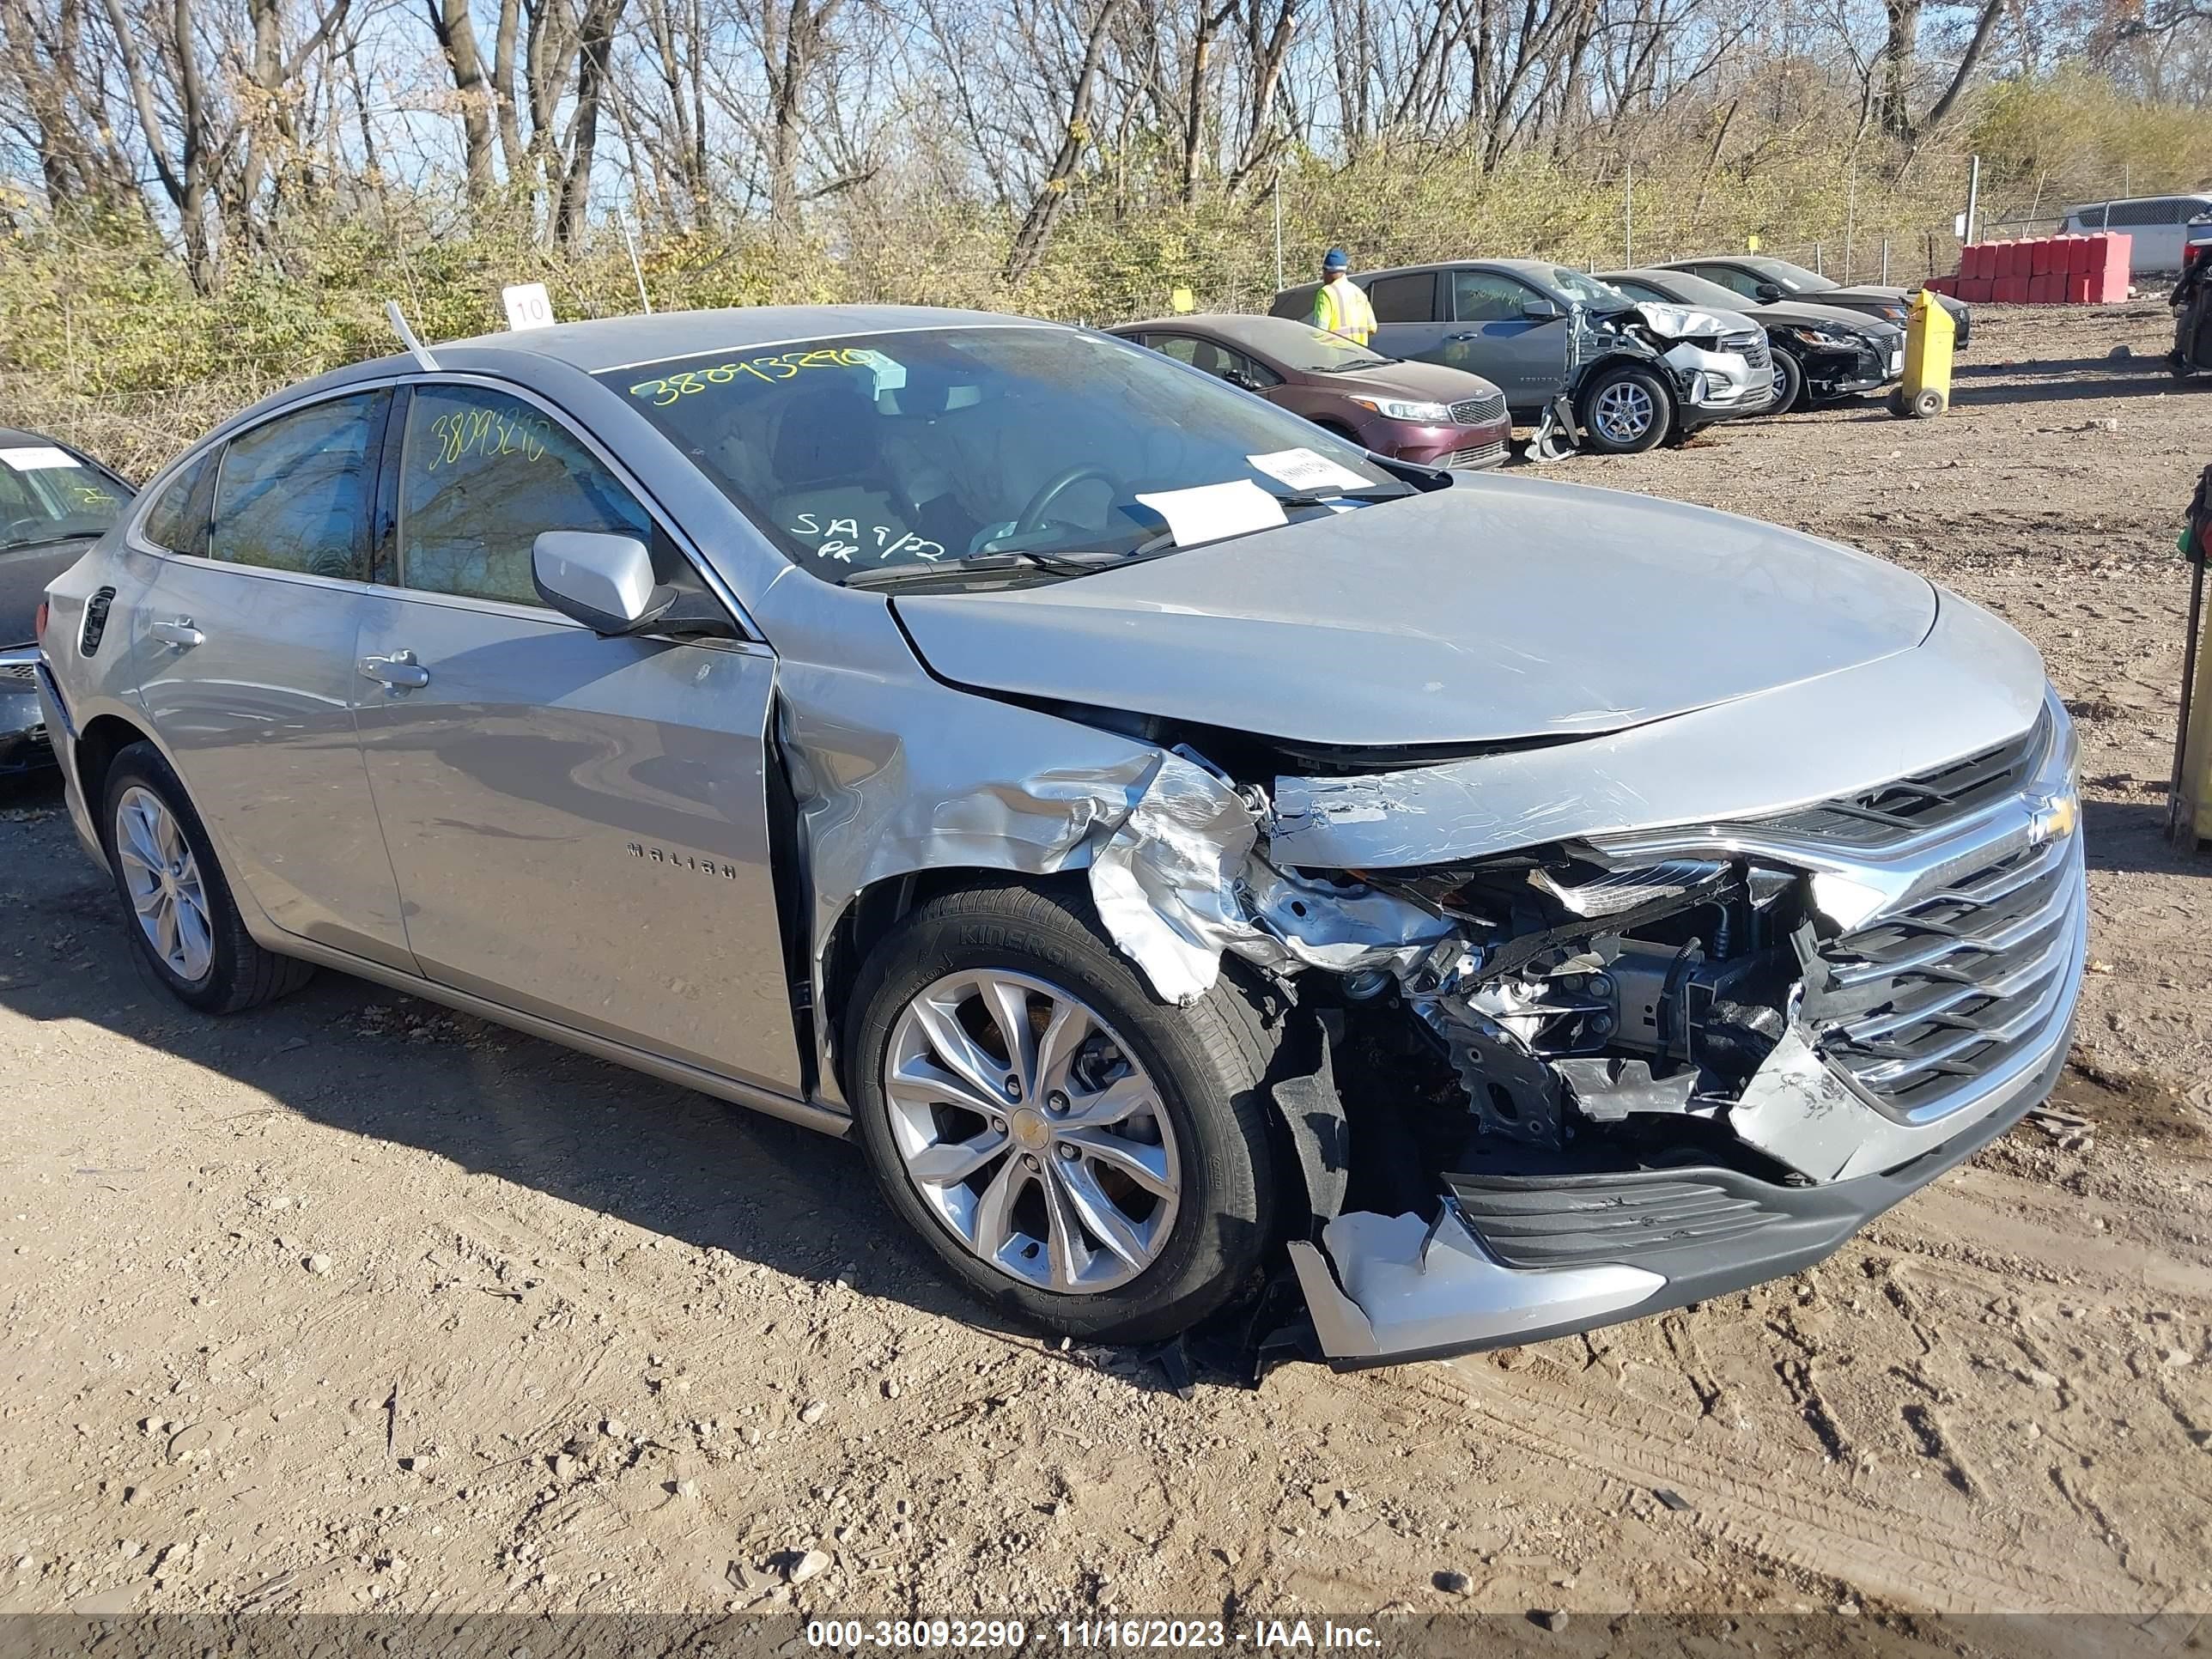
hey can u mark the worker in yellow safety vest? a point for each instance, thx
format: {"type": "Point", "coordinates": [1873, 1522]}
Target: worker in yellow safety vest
{"type": "Point", "coordinates": [1340, 304]}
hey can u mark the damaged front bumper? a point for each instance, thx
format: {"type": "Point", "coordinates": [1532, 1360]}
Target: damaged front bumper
{"type": "Point", "coordinates": [1509, 1261]}
{"type": "Point", "coordinates": [1940, 1012]}
{"type": "Point", "coordinates": [1645, 1120]}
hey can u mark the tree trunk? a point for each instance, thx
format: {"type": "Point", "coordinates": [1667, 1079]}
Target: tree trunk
{"type": "Point", "coordinates": [1030, 241]}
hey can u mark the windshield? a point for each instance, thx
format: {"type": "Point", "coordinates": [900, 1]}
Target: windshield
{"type": "Point", "coordinates": [1317, 351]}
{"type": "Point", "coordinates": [878, 452]}
{"type": "Point", "coordinates": [1795, 278]}
{"type": "Point", "coordinates": [48, 495]}
{"type": "Point", "coordinates": [1588, 290]}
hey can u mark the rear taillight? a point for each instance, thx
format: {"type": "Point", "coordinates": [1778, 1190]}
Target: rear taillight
{"type": "Point", "coordinates": [39, 623]}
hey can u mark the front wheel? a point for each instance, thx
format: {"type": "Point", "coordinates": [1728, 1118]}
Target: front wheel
{"type": "Point", "coordinates": [1078, 1153]}
{"type": "Point", "coordinates": [1788, 382]}
{"type": "Point", "coordinates": [1624, 411]}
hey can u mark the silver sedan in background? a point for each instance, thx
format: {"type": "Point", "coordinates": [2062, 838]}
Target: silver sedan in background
{"type": "Point", "coordinates": [1174, 843]}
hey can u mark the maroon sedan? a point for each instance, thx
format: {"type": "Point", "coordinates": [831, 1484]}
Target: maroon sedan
{"type": "Point", "coordinates": [1420, 412]}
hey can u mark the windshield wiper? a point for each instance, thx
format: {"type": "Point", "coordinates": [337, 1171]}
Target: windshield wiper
{"type": "Point", "coordinates": [976, 564]}
{"type": "Point", "coordinates": [47, 541]}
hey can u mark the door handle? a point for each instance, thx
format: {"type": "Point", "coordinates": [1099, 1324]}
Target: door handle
{"type": "Point", "coordinates": [179, 632]}
{"type": "Point", "coordinates": [399, 670]}
{"type": "Point", "coordinates": [1455, 338]}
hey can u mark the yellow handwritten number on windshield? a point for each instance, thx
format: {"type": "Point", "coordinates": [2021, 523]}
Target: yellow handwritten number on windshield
{"type": "Point", "coordinates": [785, 366]}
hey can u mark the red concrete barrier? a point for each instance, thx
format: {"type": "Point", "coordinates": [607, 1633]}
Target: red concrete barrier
{"type": "Point", "coordinates": [2048, 289]}
{"type": "Point", "coordinates": [2080, 288]}
{"type": "Point", "coordinates": [2039, 254]}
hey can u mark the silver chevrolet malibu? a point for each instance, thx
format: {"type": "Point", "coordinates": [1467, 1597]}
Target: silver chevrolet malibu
{"type": "Point", "coordinates": [1176, 844]}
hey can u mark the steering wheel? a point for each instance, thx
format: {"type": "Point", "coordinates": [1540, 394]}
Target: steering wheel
{"type": "Point", "coordinates": [18, 529]}
{"type": "Point", "coordinates": [1058, 484]}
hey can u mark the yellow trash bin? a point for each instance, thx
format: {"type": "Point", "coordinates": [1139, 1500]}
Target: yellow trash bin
{"type": "Point", "coordinates": [1926, 391]}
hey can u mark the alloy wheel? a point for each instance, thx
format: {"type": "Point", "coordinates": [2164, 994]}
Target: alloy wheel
{"type": "Point", "coordinates": [1781, 378]}
{"type": "Point", "coordinates": [1026, 1125]}
{"type": "Point", "coordinates": [166, 890]}
{"type": "Point", "coordinates": [1624, 412]}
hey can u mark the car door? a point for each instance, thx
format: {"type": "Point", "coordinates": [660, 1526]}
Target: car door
{"type": "Point", "coordinates": [579, 824]}
{"type": "Point", "coordinates": [1491, 335]}
{"type": "Point", "coordinates": [1408, 321]}
{"type": "Point", "coordinates": [250, 633]}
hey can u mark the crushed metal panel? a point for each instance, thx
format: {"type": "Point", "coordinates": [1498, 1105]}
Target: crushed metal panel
{"type": "Point", "coordinates": [1405, 1286]}
{"type": "Point", "coordinates": [1177, 883]}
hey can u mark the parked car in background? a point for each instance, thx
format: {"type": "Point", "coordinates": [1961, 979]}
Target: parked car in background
{"type": "Point", "coordinates": [1633, 375]}
{"type": "Point", "coordinates": [2157, 227]}
{"type": "Point", "coordinates": [54, 502]}
{"type": "Point", "coordinates": [1819, 352]}
{"type": "Point", "coordinates": [1753, 276]}
{"type": "Point", "coordinates": [1420, 412]}
{"type": "Point", "coordinates": [1035, 760]}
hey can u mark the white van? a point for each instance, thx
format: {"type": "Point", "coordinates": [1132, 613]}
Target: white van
{"type": "Point", "coordinates": [2158, 225]}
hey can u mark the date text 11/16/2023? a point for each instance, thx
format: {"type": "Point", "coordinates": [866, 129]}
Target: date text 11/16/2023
{"type": "Point", "coordinates": [1157, 1635]}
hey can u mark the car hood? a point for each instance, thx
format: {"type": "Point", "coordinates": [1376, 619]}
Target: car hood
{"type": "Point", "coordinates": [1497, 611]}
{"type": "Point", "coordinates": [1674, 322]}
{"type": "Point", "coordinates": [1427, 382]}
{"type": "Point", "coordinates": [24, 573]}
{"type": "Point", "coordinates": [1836, 317]}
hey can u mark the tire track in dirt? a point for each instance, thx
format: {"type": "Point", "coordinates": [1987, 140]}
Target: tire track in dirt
{"type": "Point", "coordinates": [1945, 1558]}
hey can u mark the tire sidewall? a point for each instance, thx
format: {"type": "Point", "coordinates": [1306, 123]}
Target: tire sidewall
{"type": "Point", "coordinates": [1662, 403]}
{"type": "Point", "coordinates": [1222, 1186]}
{"type": "Point", "coordinates": [1795, 392]}
{"type": "Point", "coordinates": [141, 766]}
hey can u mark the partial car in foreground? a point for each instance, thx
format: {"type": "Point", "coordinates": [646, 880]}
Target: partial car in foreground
{"type": "Point", "coordinates": [1820, 353]}
{"type": "Point", "coordinates": [1421, 412]}
{"type": "Point", "coordinates": [1631, 376]}
{"type": "Point", "coordinates": [1171, 841]}
{"type": "Point", "coordinates": [54, 503]}
{"type": "Point", "coordinates": [1771, 280]}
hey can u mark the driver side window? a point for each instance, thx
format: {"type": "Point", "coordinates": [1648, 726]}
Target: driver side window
{"type": "Point", "coordinates": [1486, 296]}
{"type": "Point", "coordinates": [483, 473]}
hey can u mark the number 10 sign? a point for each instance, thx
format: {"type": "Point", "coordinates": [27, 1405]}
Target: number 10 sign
{"type": "Point", "coordinates": [527, 306]}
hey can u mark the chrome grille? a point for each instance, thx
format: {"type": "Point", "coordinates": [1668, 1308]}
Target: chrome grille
{"type": "Point", "coordinates": [1947, 988]}
{"type": "Point", "coordinates": [1479, 411]}
{"type": "Point", "coordinates": [1482, 455]}
{"type": "Point", "coordinates": [1752, 346]}
{"type": "Point", "coordinates": [1926, 800]}
{"type": "Point", "coordinates": [18, 673]}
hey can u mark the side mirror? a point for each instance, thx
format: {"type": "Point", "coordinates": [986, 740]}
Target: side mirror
{"type": "Point", "coordinates": [605, 581]}
{"type": "Point", "coordinates": [1539, 311]}
{"type": "Point", "coordinates": [1767, 293]}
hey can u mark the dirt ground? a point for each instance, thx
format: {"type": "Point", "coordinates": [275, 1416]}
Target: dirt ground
{"type": "Point", "coordinates": [349, 1303]}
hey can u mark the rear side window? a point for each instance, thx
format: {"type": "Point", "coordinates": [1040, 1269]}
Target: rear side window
{"type": "Point", "coordinates": [293, 493]}
{"type": "Point", "coordinates": [482, 475]}
{"type": "Point", "coordinates": [1404, 299]}
{"type": "Point", "coordinates": [177, 520]}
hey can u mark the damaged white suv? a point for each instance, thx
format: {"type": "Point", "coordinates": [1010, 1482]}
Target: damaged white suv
{"type": "Point", "coordinates": [1163, 833]}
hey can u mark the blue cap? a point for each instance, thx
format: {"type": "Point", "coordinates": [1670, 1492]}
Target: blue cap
{"type": "Point", "coordinates": [1336, 260]}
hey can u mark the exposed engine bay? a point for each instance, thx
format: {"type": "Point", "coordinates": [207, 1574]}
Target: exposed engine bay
{"type": "Point", "coordinates": [1572, 1072]}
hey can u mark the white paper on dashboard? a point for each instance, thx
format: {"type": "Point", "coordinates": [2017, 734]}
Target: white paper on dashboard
{"type": "Point", "coordinates": [37, 459]}
{"type": "Point", "coordinates": [1302, 469]}
{"type": "Point", "coordinates": [1209, 512]}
